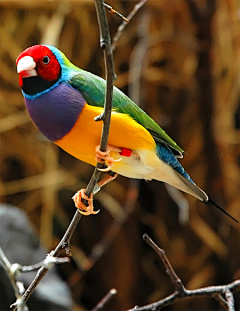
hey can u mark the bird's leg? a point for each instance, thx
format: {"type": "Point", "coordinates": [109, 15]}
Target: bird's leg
{"type": "Point", "coordinates": [111, 176]}
{"type": "Point", "coordinates": [101, 157]}
{"type": "Point", "coordinates": [104, 156]}
{"type": "Point", "coordinates": [77, 198]}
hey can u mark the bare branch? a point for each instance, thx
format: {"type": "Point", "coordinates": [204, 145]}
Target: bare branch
{"type": "Point", "coordinates": [230, 300]}
{"type": "Point", "coordinates": [112, 11]}
{"type": "Point", "coordinates": [223, 303]}
{"type": "Point", "coordinates": [169, 269]}
{"type": "Point", "coordinates": [105, 300]}
{"type": "Point", "coordinates": [132, 192]}
{"type": "Point", "coordinates": [12, 270]}
{"type": "Point", "coordinates": [120, 29]}
{"type": "Point", "coordinates": [181, 292]}
{"type": "Point", "coordinates": [48, 263]}
{"type": "Point", "coordinates": [105, 43]}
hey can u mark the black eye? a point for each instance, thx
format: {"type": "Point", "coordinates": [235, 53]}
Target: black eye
{"type": "Point", "coordinates": [46, 60]}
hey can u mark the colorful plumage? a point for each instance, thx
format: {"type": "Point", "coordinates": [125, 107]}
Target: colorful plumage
{"type": "Point", "coordinates": [63, 101]}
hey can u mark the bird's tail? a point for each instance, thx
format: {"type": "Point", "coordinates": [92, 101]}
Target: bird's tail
{"type": "Point", "coordinates": [202, 196]}
{"type": "Point", "coordinates": [212, 203]}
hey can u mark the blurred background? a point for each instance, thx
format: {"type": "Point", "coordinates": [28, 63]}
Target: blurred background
{"type": "Point", "coordinates": [180, 61]}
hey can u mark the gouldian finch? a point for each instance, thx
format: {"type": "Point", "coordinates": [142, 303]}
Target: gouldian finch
{"type": "Point", "coordinates": [64, 101]}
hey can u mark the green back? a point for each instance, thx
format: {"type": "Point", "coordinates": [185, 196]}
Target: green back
{"type": "Point", "coordinates": [93, 88]}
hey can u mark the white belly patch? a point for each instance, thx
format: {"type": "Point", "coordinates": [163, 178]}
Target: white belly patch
{"type": "Point", "coordinates": [141, 164]}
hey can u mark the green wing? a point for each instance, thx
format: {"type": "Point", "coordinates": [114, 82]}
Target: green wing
{"type": "Point", "coordinates": [92, 89]}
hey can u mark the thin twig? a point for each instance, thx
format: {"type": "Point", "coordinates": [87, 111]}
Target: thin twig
{"type": "Point", "coordinates": [230, 300]}
{"type": "Point", "coordinates": [12, 270]}
{"type": "Point", "coordinates": [181, 292]}
{"type": "Point", "coordinates": [48, 263]}
{"type": "Point", "coordinates": [169, 269]}
{"type": "Point", "coordinates": [112, 11]}
{"type": "Point", "coordinates": [105, 300]}
{"type": "Point", "coordinates": [63, 244]}
{"type": "Point", "coordinates": [120, 29]}
{"type": "Point", "coordinates": [222, 302]}
{"type": "Point", "coordinates": [24, 269]}
{"type": "Point", "coordinates": [15, 269]}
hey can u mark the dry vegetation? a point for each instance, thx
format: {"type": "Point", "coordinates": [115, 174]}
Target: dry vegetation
{"type": "Point", "coordinates": [190, 84]}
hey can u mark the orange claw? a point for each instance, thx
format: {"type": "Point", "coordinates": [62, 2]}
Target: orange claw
{"type": "Point", "coordinates": [104, 156]}
{"type": "Point", "coordinates": [83, 209]}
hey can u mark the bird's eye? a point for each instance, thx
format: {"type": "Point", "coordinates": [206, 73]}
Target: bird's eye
{"type": "Point", "coordinates": [46, 60]}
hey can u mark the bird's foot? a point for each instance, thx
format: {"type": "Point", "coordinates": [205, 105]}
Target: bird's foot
{"type": "Point", "coordinates": [111, 176]}
{"type": "Point", "coordinates": [104, 156]}
{"type": "Point", "coordinates": [83, 209]}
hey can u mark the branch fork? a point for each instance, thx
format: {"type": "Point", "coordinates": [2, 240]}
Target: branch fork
{"type": "Point", "coordinates": [181, 292]}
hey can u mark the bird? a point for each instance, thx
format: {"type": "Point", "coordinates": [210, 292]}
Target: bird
{"type": "Point", "coordinates": [64, 102]}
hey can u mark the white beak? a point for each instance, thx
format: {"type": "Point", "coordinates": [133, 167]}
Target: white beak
{"type": "Point", "coordinates": [26, 67]}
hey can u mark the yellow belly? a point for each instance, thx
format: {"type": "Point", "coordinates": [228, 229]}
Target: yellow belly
{"type": "Point", "coordinates": [82, 140]}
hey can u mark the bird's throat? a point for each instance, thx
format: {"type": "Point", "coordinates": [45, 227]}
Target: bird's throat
{"type": "Point", "coordinates": [35, 84]}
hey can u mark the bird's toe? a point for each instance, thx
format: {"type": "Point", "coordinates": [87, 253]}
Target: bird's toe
{"type": "Point", "coordinates": [83, 209]}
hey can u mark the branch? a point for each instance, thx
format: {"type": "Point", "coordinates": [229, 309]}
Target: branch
{"type": "Point", "coordinates": [63, 244]}
{"type": "Point", "coordinates": [230, 299]}
{"type": "Point", "coordinates": [46, 265]}
{"type": "Point", "coordinates": [134, 91]}
{"type": "Point", "coordinates": [120, 29]}
{"type": "Point", "coordinates": [105, 43]}
{"type": "Point", "coordinates": [169, 269]}
{"type": "Point", "coordinates": [112, 11]}
{"type": "Point", "coordinates": [105, 300]}
{"type": "Point", "coordinates": [181, 292]}
{"type": "Point", "coordinates": [12, 271]}
{"type": "Point", "coordinates": [16, 269]}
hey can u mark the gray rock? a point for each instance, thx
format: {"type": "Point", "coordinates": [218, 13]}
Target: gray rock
{"type": "Point", "coordinates": [21, 245]}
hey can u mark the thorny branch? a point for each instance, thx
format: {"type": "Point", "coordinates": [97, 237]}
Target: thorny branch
{"type": "Point", "coordinates": [222, 293]}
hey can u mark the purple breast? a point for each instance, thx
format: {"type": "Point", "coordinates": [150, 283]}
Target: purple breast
{"type": "Point", "coordinates": [56, 111]}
